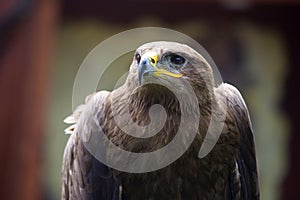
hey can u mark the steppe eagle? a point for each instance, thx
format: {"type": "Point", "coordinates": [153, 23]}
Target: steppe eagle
{"type": "Point", "coordinates": [229, 171]}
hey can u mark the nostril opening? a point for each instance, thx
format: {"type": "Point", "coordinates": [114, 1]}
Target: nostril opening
{"type": "Point", "coordinates": [144, 62]}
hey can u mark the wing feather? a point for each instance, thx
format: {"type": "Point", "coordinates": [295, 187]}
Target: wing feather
{"type": "Point", "coordinates": [84, 177]}
{"type": "Point", "coordinates": [246, 166]}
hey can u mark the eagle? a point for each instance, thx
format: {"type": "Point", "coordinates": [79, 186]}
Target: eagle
{"type": "Point", "coordinates": [157, 76]}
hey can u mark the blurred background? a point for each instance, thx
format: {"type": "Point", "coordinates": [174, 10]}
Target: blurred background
{"type": "Point", "coordinates": [255, 44]}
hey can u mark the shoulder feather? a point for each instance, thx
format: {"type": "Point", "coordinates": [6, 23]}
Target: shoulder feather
{"type": "Point", "coordinates": [246, 158]}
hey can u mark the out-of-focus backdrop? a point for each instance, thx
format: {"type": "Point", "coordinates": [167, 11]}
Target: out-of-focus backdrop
{"type": "Point", "coordinates": [255, 44]}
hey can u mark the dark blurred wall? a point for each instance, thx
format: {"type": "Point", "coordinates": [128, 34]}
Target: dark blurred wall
{"type": "Point", "coordinates": [291, 104]}
{"type": "Point", "coordinates": [26, 32]}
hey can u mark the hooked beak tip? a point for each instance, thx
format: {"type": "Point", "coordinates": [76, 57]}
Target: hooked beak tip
{"type": "Point", "coordinates": [147, 65]}
{"type": "Point", "coordinates": [144, 68]}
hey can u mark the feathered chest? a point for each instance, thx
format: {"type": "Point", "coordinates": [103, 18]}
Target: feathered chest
{"type": "Point", "coordinates": [149, 123]}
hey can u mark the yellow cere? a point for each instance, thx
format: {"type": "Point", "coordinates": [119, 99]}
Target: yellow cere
{"type": "Point", "coordinates": [153, 58]}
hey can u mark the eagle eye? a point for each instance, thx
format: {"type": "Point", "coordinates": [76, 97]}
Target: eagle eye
{"type": "Point", "coordinates": [137, 57]}
{"type": "Point", "coordinates": [177, 60]}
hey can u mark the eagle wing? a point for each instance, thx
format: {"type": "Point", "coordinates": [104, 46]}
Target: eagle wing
{"type": "Point", "coordinates": [243, 179]}
{"type": "Point", "coordinates": [83, 176]}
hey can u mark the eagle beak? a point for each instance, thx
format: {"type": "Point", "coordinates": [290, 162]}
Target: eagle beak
{"type": "Point", "coordinates": [148, 66]}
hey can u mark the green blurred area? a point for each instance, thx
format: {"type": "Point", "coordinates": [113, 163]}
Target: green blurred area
{"type": "Point", "coordinates": [260, 79]}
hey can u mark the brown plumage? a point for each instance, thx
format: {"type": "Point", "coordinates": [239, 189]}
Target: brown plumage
{"type": "Point", "coordinates": [228, 172]}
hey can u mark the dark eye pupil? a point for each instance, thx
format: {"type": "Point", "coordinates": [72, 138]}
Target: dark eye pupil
{"type": "Point", "coordinates": [138, 57]}
{"type": "Point", "coordinates": [177, 60]}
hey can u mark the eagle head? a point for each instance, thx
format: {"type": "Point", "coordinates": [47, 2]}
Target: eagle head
{"type": "Point", "coordinates": [170, 63]}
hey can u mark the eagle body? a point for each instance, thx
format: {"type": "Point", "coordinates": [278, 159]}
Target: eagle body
{"type": "Point", "coordinates": [228, 171]}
